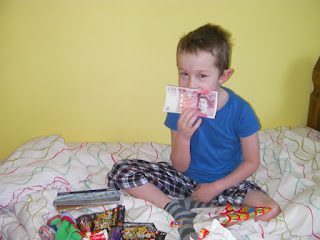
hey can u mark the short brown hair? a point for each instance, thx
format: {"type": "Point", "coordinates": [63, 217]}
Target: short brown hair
{"type": "Point", "coordinates": [210, 38]}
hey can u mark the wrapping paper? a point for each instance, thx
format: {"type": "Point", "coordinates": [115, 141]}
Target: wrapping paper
{"type": "Point", "coordinates": [213, 230]}
{"type": "Point", "coordinates": [229, 216]}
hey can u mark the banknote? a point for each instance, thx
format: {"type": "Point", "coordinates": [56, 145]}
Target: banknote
{"type": "Point", "coordinates": [178, 99]}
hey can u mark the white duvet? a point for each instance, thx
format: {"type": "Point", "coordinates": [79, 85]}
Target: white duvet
{"type": "Point", "coordinates": [34, 173]}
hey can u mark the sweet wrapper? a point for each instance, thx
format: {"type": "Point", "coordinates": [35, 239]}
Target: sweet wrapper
{"type": "Point", "coordinates": [230, 217]}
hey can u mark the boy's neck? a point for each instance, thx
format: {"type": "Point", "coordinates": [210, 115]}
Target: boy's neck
{"type": "Point", "coordinates": [223, 97]}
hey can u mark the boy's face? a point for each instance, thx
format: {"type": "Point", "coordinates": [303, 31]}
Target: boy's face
{"type": "Point", "coordinates": [198, 71]}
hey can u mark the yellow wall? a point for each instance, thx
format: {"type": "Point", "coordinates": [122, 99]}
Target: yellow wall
{"type": "Point", "coordinates": [96, 70]}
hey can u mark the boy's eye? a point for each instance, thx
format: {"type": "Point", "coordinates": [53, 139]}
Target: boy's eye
{"type": "Point", "coordinates": [183, 73]}
{"type": "Point", "coordinates": [202, 75]}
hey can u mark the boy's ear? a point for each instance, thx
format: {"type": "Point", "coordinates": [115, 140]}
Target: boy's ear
{"type": "Point", "coordinates": [225, 75]}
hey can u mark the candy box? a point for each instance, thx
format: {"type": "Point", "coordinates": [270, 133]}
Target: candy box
{"type": "Point", "coordinates": [115, 233]}
{"type": "Point", "coordinates": [143, 231]}
{"type": "Point", "coordinates": [110, 218]}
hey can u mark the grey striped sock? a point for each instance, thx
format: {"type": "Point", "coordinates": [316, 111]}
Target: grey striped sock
{"type": "Point", "coordinates": [189, 204]}
{"type": "Point", "coordinates": [187, 217]}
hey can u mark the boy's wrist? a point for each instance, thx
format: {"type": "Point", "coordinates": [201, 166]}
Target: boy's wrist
{"type": "Point", "coordinates": [181, 138]}
{"type": "Point", "coordinates": [219, 185]}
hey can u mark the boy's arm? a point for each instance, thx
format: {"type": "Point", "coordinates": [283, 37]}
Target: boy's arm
{"type": "Point", "coordinates": [188, 123]}
{"type": "Point", "coordinates": [180, 152]}
{"type": "Point", "coordinates": [251, 159]}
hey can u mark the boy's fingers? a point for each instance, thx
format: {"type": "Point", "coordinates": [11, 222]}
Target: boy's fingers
{"type": "Point", "coordinates": [186, 115]}
{"type": "Point", "coordinates": [197, 123]}
{"type": "Point", "coordinates": [188, 112]}
{"type": "Point", "coordinates": [193, 119]}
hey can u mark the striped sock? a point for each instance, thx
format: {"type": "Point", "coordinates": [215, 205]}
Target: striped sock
{"type": "Point", "coordinates": [189, 204]}
{"type": "Point", "coordinates": [179, 213]}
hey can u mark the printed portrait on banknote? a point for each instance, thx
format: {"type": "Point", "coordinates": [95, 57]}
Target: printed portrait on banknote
{"type": "Point", "coordinates": [207, 104]}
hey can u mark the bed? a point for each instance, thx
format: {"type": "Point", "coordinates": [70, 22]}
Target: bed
{"type": "Point", "coordinates": [289, 172]}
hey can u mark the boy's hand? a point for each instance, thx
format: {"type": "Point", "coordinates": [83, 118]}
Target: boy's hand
{"type": "Point", "coordinates": [189, 122]}
{"type": "Point", "coordinates": [205, 192]}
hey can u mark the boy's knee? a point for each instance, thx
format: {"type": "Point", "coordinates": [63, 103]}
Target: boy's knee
{"type": "Point", "coordinates": [120, 168]}
{"type": "Point", "coordinates": [119, 164]}
{"type": "Point", "coordinates": [116, 173]}
{"type": "Point", "coordinates": [273, 213]}
{"type": "Point", "coordinates": [275, 210]}
{"type": "Point", "coordinates": [260, 199]}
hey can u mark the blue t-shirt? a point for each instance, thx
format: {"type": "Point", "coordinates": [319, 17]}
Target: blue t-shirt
{"type": "Point", "coordinates": [215, 147]}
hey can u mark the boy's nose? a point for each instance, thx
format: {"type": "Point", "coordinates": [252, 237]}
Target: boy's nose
{"type": "Point", "coordinates": [192, 83]}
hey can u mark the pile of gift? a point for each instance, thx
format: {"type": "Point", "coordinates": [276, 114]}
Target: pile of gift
{"type": "Point", "coordinates": [107, 225]}
{"type": "Point", "coordinates": [110, 225]}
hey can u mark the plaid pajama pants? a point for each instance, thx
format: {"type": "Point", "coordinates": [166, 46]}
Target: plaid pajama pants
{"type": "Point", "coordinates": [135, 173]}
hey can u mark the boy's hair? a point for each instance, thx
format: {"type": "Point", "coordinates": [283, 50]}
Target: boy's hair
{"type": "Point", "coordinates": [209, 38]}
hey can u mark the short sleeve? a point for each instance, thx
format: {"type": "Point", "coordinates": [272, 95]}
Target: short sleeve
{"type": "Point", "coordinates": [172, 121]}
{"type": "Point", "coordinates": [248, 122]}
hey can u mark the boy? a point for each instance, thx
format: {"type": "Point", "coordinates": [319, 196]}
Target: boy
{"type": "Point", "coordinates": [211, 158]}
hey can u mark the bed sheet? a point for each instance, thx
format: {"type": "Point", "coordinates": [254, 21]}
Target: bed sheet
{"type": "Point", "coordinates": [33, 174]}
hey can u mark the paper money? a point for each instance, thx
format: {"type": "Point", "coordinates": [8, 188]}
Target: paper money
{"type": "Point", "coordinates": [178, 99]}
